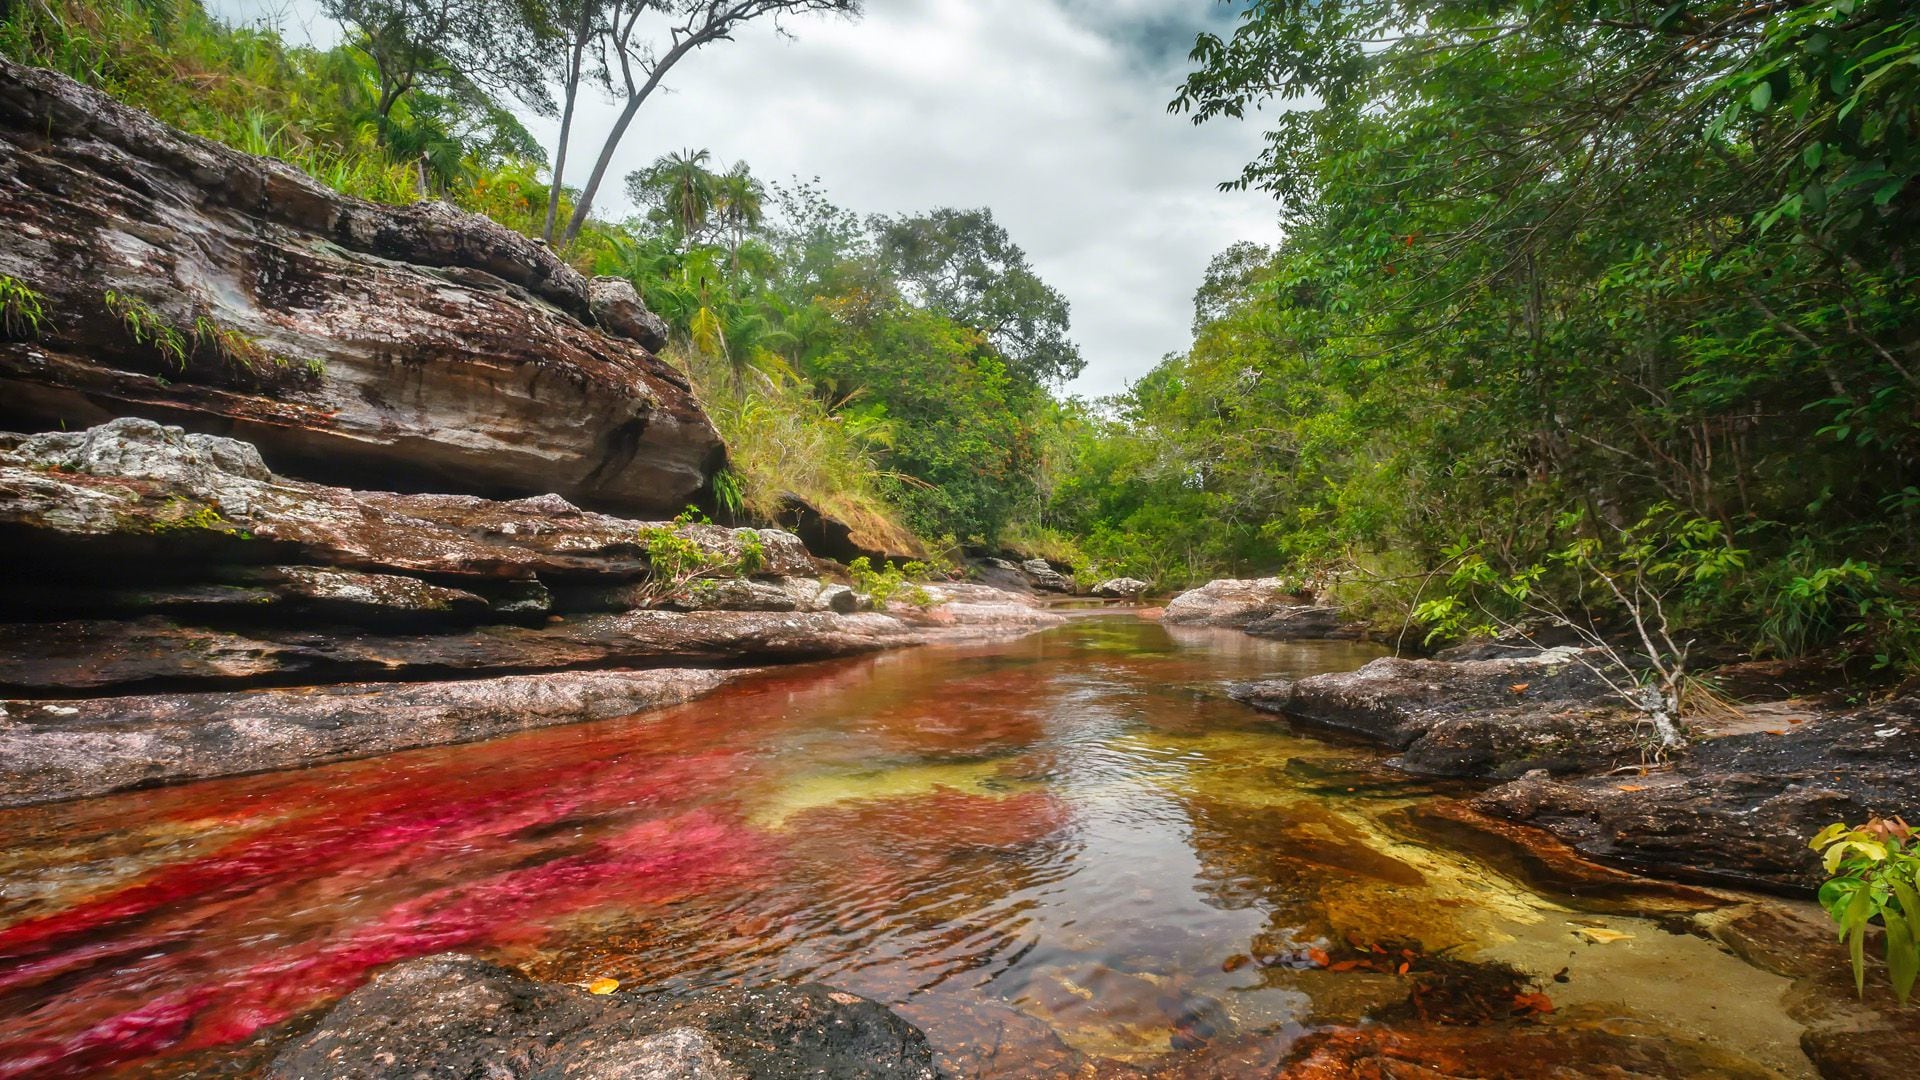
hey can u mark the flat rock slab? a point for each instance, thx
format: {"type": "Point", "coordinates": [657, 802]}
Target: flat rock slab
{"type": "Point", "coordinates": [1474, 719]}
{"type": "Point", "coordinates": [1739, 807]}
{"type": "Point", "coordinates": [51, 751]}
{"type": "Point", "coordinates": [133, 489]}
{"type": "Point", "coordinates": [457, 1016]}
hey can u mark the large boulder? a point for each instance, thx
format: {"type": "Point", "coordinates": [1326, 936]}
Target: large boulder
{"type": "Point", "coordinates": [419, 347]}
{"type": "Point", "coordinates": [1233, 602]}
{"type": "Point", "coordinates": [458, 1016]}
{"type": "Point", "coordinates": [844, 537]}
{"type": "Point", "coordinates": [1121, 588]}
{"type": "Point", "coordinates": [1043, 576]}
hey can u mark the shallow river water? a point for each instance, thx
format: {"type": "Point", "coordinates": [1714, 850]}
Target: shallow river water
{"type": "Point", "coordinates": [1066, 854]}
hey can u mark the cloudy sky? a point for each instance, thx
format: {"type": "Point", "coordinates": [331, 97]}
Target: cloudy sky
{"type": "Point", "coordinates": [1051, 112]}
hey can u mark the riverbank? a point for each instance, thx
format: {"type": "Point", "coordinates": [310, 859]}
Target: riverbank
{"type": "Point", "coordinates": [220, 619]}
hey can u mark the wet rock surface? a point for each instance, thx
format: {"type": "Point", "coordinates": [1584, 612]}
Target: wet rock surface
{"type": "Point", "coordinates": [1306, 622]}
{"type": "Point", "coordinates": [457, 1016]}
{"type": "Point", "coordinates": [54, 750]}
{"type": "Point", "coordinates": [424, 346]}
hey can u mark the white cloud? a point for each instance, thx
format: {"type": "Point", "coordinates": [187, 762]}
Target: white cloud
{"type": "Point", "coordinates": [1051, 112]}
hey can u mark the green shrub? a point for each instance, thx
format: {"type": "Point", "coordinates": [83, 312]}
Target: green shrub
{"type": "Point", "coordinates": [23, 312]}
{"type": "Point", "coordinates": [1874, 875]}
{"type": "Point", "coordinates": [888, 581]}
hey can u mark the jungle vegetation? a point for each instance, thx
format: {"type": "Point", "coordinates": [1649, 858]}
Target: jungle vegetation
{"type": "Point", "coordinates": [1565, 284]}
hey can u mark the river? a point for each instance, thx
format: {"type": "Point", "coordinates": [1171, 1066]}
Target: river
{"type": "Point", "coordinates": [1068, 852]}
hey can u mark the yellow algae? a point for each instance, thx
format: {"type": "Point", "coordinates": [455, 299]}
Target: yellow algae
{"type": "Point", "coordinates": [813, 791]}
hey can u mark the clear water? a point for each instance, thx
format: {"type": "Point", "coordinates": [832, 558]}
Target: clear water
{"type": "Point", "coordinates": [1064, 854]}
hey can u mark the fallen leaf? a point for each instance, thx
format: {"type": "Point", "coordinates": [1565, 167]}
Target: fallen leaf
{"type": "Point", "coordinates": [1600, 935]}
{"type": "Point", "coordinates": [1236, 962]}
{"type": "Point", "coordinates": [1344, 965]}
{"type": "Point", "coordinates": [1532, 1003]}
{"type": "Point", "coordinates": [1631, 787]}
{"type": "Point", "coordinates": [1319, 957]}
{"type": "Point", "coordinates": [603, 986]}
{"type": "Point", "coordinates": [1519, 687]}
{"type": "Point", "coordinates": [1405, 967]}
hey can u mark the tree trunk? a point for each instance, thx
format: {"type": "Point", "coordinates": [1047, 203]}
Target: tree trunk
{"type": "Point", "coordinates": [566, 128]}
{"type": "Point", "coordinates": [635, 99]}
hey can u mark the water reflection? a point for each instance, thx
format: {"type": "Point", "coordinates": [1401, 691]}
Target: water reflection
{"type": "Point", "coordinates": [1064, 853]}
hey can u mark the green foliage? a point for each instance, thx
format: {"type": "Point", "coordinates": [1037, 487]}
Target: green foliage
{"type": "Point", "coordinates": [1874, 876]}
{"type": "Point", "coordinates": [888, 581]}
{"type": "Point", "coordinates": [22, 310]}
{"type": "Point", "coordinates": [149, 328]}
{"type": "Point", "coordinates": [677, 559]}
{"type": "Point", "coordinates": [1537, 261]}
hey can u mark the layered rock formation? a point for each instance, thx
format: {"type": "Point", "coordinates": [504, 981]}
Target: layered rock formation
{"type": "Point", "coordinates": [414, 348]}
{"type": "Point", "coordinates": [174, 611]}
{"type": "Point", "coordinates": [457, 1016]}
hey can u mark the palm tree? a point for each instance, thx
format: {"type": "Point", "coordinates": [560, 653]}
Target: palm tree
{"type": "Point", "coordinates": [741, 200]}
{"type": "Point", "coordinates": [685, 189]}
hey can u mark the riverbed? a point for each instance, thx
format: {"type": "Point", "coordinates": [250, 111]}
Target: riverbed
{"type": "Point", "coordinates": [1066, 854]}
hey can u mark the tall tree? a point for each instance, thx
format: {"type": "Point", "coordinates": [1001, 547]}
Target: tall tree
{"type": "Point", "coordinates": [580, 23]}
{"type": "Point", "coordinates": [450, 45]}
{"type": "Point", "coordinates": [643, 50]}
{"type": "Point", "coordinates": [962, 264]}
{"type": "Point", "coordinates": [742, 202]}
{"type": "Point", "coordinates": [682, 191]}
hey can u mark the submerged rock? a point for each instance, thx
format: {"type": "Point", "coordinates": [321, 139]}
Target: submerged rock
{"type": "Point", "coordinates": [458, 1016]}
{"type": "Point", "coordinates": [422, 345]}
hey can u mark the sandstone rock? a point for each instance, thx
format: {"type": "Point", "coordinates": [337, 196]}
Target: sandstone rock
{"type": "Point", "coordinates": [618, 307]}
{"type": "Point", "coordinates": [421, 345]}
{"type": "Point", "coordinates": [1484, 718]}
{"type": "Point", "coordinates": [66, 497]}
{"type": "Point", "coordinates": [1737, 808]}
{"type": "Point", "coordinates": [458, 1016]}
{"type": "Point", "coordinates": [1000, 574]}
{"type": "Point", "coordinates": [53, 750]}
{"type": "Point", "coordinates": [1305, 622]}
{"type": "Point", "coordinates": [1232, 603]}
{"type": "Point", "coordinates": [1121, 588]}
{"type": "Point", "coordinates": [99, 656]}
{"type": "Point", "coordinates": [838, 598]}
{"type": "Point", "coordinates": [1043, 576]}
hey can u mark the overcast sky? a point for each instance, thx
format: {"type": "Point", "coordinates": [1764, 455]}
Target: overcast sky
{"type": "Point", "coordinates": [1051, 112]}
